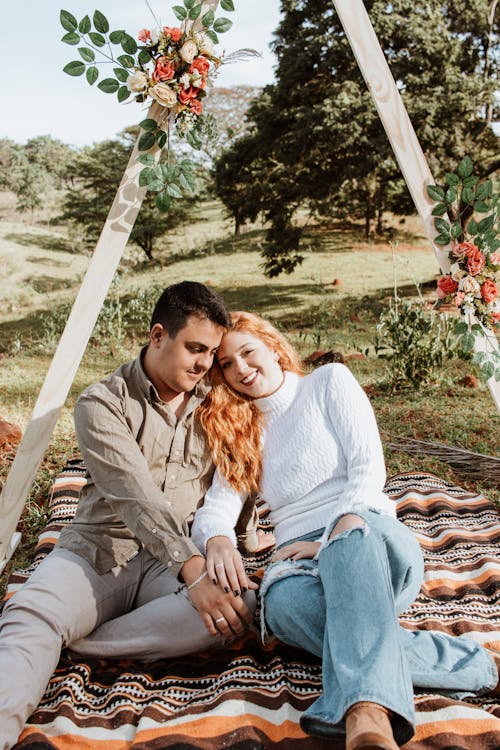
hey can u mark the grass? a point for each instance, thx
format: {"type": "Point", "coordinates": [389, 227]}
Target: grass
{"type": "Point", "coordinates": [332, 301]}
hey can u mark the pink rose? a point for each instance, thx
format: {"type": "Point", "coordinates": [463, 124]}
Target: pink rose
{"type": "Point", "coordinates": [144, 35]}
{"type": "Point", "coordinates": [495, 258]}
{"type": "Point", "coordinates": [445, 286]}
{"type": "Point", "coordinates": [173, 32]}
{"type": "Point", "coordinates": [489, 291]}
{"type": "Point", "coordinates": [164, 70]}
{"type": "Point", "coordinates": [459, 299]}
{"type": "Point", "coordinates": [475, 261]}
{"type": "Point", "coordinates": [464, 248]}
{"type": "Point", "coordinates": [196, 106]}
{"type": "Point", "coordinates": [188, 95]}
{"type": "Point", "coordinates": [200, 65]}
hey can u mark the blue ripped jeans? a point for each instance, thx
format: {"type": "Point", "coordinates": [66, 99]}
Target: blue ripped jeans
{"type": "Point", "coordinates": [344, 608]}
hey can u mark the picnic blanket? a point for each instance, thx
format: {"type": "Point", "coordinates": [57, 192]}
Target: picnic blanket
{"type": "Point", "coordinates": [250, 697]}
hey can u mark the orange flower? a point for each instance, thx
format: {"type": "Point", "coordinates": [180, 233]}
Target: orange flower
{"type": "Point", "coordinates": [196, 106]}
{"type": "Point", "coordinates": [173, 32]}
{"type": "Point", "coordinates": [200, 65]}
{"type": "Point", "coordinates": [464, 248]}
{"type": "Point", "coordinates": [475, 261]}
{"type": "Point", "coordinates": [188, 95]}
{"type": "Point", "coordinates": [164, 70]}
{"type": "Point", "coordinates": [445, 286]}
{"type": "Point", "coordinates": [144, 35]}
{"type": "Point", "coordinates": [489, 291]}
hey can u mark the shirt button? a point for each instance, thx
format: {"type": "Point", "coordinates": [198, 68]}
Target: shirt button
{"type": "Point", "coordinates": [154, 531]}
{"type": "Point", "coordinates": [177, 453]}
{"type": "Point", "coordinates": [169, 564]}
{"type": "Point", "coordinates": [168, 503]}
{"type": "Point", "coordinates": [176, 553]}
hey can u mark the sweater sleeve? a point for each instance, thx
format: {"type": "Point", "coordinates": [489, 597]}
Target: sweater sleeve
{"type": "Point", "coordinates": [218, 514]}
{"type": "Point", "coordinates": [353, 421]}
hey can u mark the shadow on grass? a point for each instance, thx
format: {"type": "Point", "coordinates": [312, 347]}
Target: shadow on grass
{"type": "Point", "coordinates": [44, 241]}
{"type": "Point", "coordinates": [248, 242]}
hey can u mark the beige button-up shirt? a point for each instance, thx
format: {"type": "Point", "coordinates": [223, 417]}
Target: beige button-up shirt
{"type": "Point", "coordinates": [147, 472]}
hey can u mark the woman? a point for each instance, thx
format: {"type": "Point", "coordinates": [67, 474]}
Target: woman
{"type": "Point", "coordinates": [344, 566]}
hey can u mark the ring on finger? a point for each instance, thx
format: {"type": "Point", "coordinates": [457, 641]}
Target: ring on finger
{"type": "Point", "coordinates": [219, 565]}
{"type": "Point", "coordinates": [220, 619]}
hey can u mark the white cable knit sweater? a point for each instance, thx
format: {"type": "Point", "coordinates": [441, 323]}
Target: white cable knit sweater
{"type": "Point", "coordinates": [322, 458]}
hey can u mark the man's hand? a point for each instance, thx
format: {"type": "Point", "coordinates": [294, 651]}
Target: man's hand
{"type": "Point", "coordinates": [225, 566]}
{"type": "Point", "coordinates": [221, 612]}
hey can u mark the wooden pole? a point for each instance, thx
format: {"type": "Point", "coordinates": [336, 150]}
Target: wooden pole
{"type": "Point", "coordinates": [72, 345]}
{"type": "Point", "coordinates": [392, 111]}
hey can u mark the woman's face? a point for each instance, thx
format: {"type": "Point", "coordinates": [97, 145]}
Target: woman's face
{"type": "Point", "coordinates": [248, 365]}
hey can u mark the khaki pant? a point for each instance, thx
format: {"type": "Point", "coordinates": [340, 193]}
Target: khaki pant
{"type": "Point", "coordinates": [145, 612]}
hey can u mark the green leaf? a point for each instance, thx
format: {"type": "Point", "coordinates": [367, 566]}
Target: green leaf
{"type": "Point", "coordinates": [148, 125]}
{"type": "Point", "coordinates": [86, 54]}
{"type": "Point", "coordinates": [461, 327]}
{"type": "Point", "coordinates": [194, 12]}
{"type": "Point", "coordinates": [485, 224]}
{"type": "Point", "coordinates": [193, 140]}
{"type": "Point", "coordinates": [465, 167]}
{"type": "Point", "coordinates": [472, 227]}
{"type": "Point", "coordinates": [74, 68]}
{"type": "Point", "coordinates": [179, 12]}
{"type": "Point", "coordinates": [84, 26]}
{"type": "Point", "coordinates": [121, 74]}
{"type": "Point", "coordinates": [471, 181]}
{"type": "Point", "coordinates": [481, 207]}
{"type": "Point", "coordinates": [451, 195]}
{"type": "Point", "coordinates": [484, 190]}
{"type": "Point", "coordinates": [163, 201]}
{"type": "Point", "coordinates": [456, 230]}
{"type": "Point", "coordinates": [146, 175]}
{"type": "Point", "coordinates": [452, 179]}
{"type": "Point", "coordinates": [442, 239]}
{"type": "Point", "coordinates": [97, 39]}
{"type": "Point", "coordinates": [68, 21]}
{"type": "Point", "coordinates": [129, 44]}
{"type": "Point", "coordinates": [71, 38]}
{"type": "Point", "coordinates": [144, 57]}
{"type": "Point", "coordinates": [435, 192]}
{"type": "Point", "coordinates": [116, 36]}
{"type": "Point", "coordinates": [174, 191]}
{"type": "Point", "coordinates": [467, 195]}
{"type": "Point", "coordinates": [467, 342]}
{"type": "Point", "coordinates": [161, 138]}
{"type": "Point", "coordinates": [439, 210]}
{"type": "Point", "coordinates": [92, 75]}
{"type": "Point", "coordinates": [126, 60]}
{"type": "Point", "coordinates": [147, 159]}
{"type": "Point", "coordinates": [488, 370]}
{"type": "Point", "coordinates": [442, 226]}
{"type": "Point", "coordinates": [187, 165]}
{"type": "Point", "coordinates": [185, 184]}
{"type": "Point", "coordinates": [189, 3]}
{"type": "Point", "coordinates": [146, 141]}
{"type": "Point", "coordinates": [100, 22]}
{"type": "Point", "coordinates": [123, 93]}
{"type": "Point", "coordinates": [222, 25]}
{"type": "Point", "coordinates": [208, 18]}
{"type": "Point", "coordinates": [109, 85]}
{"type": "Point", "coordinates": [212, 35]}
{"type": "Point", "coordinates": [227, 5]}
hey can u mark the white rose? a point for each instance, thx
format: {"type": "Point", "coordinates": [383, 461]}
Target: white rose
{"type": "Point", "coordinates": [457, 273]}
{"type": "Point", "coordinates": [137, 81]}
{"type": "Point", "coordinates": [196, 79]}
{"type": "Point", "coordinates": [185, 80]}
{"type": "Point", "coordinates": [155, 36]}
{"type": "Point", "coordinates": [188, 51]}
{"type": "Point", "coordinates": [205, 44]}
{"type": "Point", "coordinates": [469, 285]}
{"type": "Point", "coordinates": [163, 94]}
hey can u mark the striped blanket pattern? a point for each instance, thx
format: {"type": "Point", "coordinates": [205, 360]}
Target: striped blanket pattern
{"type": "Point", "coordinates": [250, 697]}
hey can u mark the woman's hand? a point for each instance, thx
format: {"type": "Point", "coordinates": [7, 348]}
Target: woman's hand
{"type": "Point", "coordinates": [225, 566]}
{"type": "Point", "coordinates": [297, 551]}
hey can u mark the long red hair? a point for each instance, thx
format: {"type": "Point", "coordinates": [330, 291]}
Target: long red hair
{"type": "Point", "coordinates": [232, 422]}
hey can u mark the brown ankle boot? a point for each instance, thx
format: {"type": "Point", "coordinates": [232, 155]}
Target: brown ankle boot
{"type": "Point", "coordinates": [368, 727]}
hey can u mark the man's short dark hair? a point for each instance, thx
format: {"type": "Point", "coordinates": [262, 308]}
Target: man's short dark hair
{"type": "Point", "coordinates": [179, 301]}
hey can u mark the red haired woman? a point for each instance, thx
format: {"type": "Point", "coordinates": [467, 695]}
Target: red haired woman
{"type": "Point", "coordinates": [344, 566]}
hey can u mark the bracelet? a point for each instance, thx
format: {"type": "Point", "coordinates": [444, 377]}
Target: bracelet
{"type": "Point", "coordinates": [197, 581]}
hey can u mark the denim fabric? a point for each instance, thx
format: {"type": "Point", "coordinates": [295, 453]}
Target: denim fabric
{"type": "Point", "coordinates": [348, 615]}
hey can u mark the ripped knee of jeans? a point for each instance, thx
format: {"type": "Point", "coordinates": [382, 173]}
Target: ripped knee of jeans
{"type": "Point", "coordinates": [342, 528]}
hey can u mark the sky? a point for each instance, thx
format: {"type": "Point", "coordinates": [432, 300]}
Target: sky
{"type": "Point", "coordinates": [38, 98]}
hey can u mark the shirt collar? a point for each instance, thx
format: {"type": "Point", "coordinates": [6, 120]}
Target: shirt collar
{"type": "Point", "coordinates": [279, 401]}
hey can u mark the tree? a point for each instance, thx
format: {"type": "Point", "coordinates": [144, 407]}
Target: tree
{"type": "Point", "coordinates": [97, 171]}
{"type": "Point", "coordinates": [315, 138]}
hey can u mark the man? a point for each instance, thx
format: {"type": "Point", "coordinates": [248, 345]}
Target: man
{"type": "Point", "coordinates": [125, 571]}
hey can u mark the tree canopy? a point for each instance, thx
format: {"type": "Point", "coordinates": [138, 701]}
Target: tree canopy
{"type": "Point", "coordinates": [315, 138]}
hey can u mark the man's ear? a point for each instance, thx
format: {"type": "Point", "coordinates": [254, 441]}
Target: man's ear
{"type": "Point", "coordinates": [156, 334]}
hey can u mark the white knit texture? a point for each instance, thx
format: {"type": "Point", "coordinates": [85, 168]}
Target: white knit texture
{"type": "Point", "coordinates": [322, 458]}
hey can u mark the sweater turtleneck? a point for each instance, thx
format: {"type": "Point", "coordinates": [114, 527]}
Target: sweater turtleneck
{"type": "Point", "coordinates": [279, 401]}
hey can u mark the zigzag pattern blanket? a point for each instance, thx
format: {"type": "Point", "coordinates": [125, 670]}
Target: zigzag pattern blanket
{"type": "Point", "coordinates": [250, 697]}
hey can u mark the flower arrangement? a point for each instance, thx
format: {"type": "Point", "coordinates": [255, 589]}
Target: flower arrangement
{"type": "Point", "coordinates": [471, 283]}
{"type": "Point", "coordinates": [169, 65]}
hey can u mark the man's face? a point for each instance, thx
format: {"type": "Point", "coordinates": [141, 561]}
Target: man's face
{"type": "Point", "coordinates": [176, 365]}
